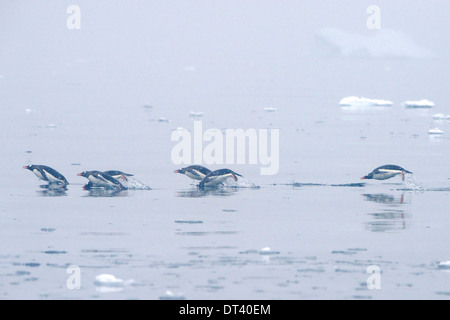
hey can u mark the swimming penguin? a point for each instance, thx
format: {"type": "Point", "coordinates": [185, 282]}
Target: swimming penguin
{"type": "Point", "coordinates": [216, 177]}
{"type": "Point", "coordinates": [386, 172]}
{"type": "Point", "coordinates": [101, 179]}
{"type": "Point", "coordinates": [47, 174]}
{"type": "Point", "coordinates": [116, 174]}
{"type": "Point", "coordinates": [194, 172]}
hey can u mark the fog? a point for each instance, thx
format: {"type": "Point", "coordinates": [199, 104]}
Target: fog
{"type": "Point", "coordinates": [109, 95]}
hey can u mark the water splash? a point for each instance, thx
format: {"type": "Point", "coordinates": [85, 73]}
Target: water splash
{"type": "Point", "coordinates": [240, 183]}
{"type": "Point", "coordinates": [411, 184]}
{"type": "Point", "coordinates": [133, 184]}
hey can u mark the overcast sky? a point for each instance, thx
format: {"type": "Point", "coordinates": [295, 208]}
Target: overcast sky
{"type": "Point", "coordinates": [204, 29]}
{"type": "Point", "coordinates": [119, 38]}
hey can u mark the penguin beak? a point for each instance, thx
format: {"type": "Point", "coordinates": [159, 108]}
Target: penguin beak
{"type": "Point", "coordinates": [26, 167]}
{"type": "Point", "coordinates": [123, 177]}
{"type": "Point", "coordinates": [176, 171]}
{"type": "Point", "coordinates": [363, 178]}
{"type": "Point", "coordinates": [80, 174]}
{"type": "Point", "coordinates": [234, 177]}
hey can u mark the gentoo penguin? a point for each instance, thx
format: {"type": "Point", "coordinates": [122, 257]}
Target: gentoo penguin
{"type": "Point", "coordinates": [47, 174]}
{"type": "Point", "coordinates": [116, 174]}
{"type": "Point", "coordinates": [194, 172]}
{"type": "Point", "coordinates": [386, 172]}
{"type": "Point", "coordinates": [217, 177]}
{"type": "Point", "coordinates": [101, 179]}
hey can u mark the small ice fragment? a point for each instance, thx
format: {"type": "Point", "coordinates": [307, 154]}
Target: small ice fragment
{"type": "Point", "coordinates": [51, 126]}
{"type": "Point", "coordinates": [441, 116]}
{"type": "Point", "coordinates": [435, 131]}
{"type": "Point", "coordinates": [270, 109]}
{"type": "Point", "coordinates": [267, 251]}
{"type": "Point", "coordinates": [424, 103]}
{"type": "Point", "coordinates": [108, 280]}
{"type": "Point", "coordinates": [169, 295]}
{"type": "Point", "coordinates": [196, 114]}
{"type": "Point", "coordinates": [28, 111]}
{"type": "Point", "coordinates": [361, 101]}
{"type": "Point", "coordinates": [162, 119]}
{"type": "Point", "coordinates": [444, 265]}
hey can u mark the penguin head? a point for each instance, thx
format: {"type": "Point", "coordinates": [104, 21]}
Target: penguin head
{"type": "Point", "coordinates": [369, 176]}
{"type": "Point", "coordinates": [83, 174]}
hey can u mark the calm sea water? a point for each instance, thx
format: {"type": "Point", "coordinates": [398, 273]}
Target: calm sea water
{"type": "Point", "coordinates": [309, 232]}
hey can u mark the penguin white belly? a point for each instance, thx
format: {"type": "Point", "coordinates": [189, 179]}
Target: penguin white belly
{"type": "Point", "coordinates": [386, 174]}
{"type": "Point", "coordinates": [98, 182]}
{"type": "Point", "coordinates": [192, 176]}
{"type": "Point", "coordinates": [39, 174]}
{"type": "Point", "coordinates": [217, 180]}
{"type": "Point", "coordinates": [196, 176]}
{"type": "Point", "coordinates": [50, 177]}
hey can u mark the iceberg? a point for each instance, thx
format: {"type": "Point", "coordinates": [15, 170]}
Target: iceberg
{"type": "Point", "coordinates": [424, 103]}
{"type": "Point", "coordinates": [361, 101]}
{"type": "Point", "coordinates": [444, 265]}
{"type": "Point", "coordinates": [435, 131]}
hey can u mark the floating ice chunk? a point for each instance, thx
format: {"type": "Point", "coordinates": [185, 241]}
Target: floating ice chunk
{"type": "Point", "coordinates": [435, 131]}
{"type": "Point", "coordinates": [267, 251]}
{"type": "Point", "coordinates": [109, 280]}
{"type": "Point", "coordinates": [441, 116]}
{"type": "Point", "coordinates": [51, 126]}
{"type": "Point", "coordinates": [270, 109]}
{"type": "Point", "coordinates": [196, 114]}
{"type": "Point", "coordinates": [169, 295]}
{"type": "Point", "coordinates": [424, 103]}
{"type": "Point", "coordinates": [162, 119]}
{"type": "Point", "coordinates": [360, 101]}
{"type": "Point", "coordinates": [444, 265]}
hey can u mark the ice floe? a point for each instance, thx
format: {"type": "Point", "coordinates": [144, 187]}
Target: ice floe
{"type": "Point", "coordinates": [361, 101]}
{"type": "Point", "coordinates": [444, 265]}
{"type": "Point", "coordinates": [268, 251]}
{"type": "Point", "coordinates": [109, 283]}
{"type": "Point", "coordinates": [441, 116]}
{"type": "Point", "coordinates": [270, 109]}
{"type": "Point", "coordinates": [435, 131]}
{"type": "Point", "coordinates": [424, 103]}
{"type": "Point", "coordinates": [169, 295]}
{"type": "Point", "coordinates": [196, 114]}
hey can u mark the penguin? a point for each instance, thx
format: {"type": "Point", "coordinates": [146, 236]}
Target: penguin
{"type": "Point", "coordinates": [216, 177]}
{"type": "Point", "coordinates": [194, 172]}
{"type": "Point", "coordinates": [47, 174]}
{"type": "Point", "coordinates": [101, 179]}
{"type": "Point", "coordinates": [116, 174]}
{"type": "Point", "coordinates": [386, 172]}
